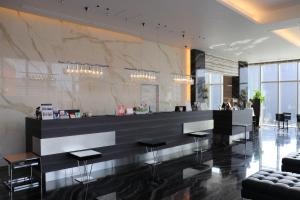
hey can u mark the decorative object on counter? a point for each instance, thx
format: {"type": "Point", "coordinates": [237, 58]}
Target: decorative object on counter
{"type": "Point", "coordinates": [87, 114]}
{"type": "Point", "coordinates": [77, 115]}
{"type": "Point", "coordinates": [141, 109]}
{"type": "Point", "coordinates": [121, 110]}
{"type": "Point", "coordinates": [92, 70]}
{"type": "Point", "coordinates": [47, 111]}
{"type": "Point", "coordinates": [180, 108]}
{"type": "Point", "coordinates": [55, 113]}
{"type": "Point", "coordinates": [188, 106]}
{"type": "Point", "coordinates": [183, 79]}
{"type": "Point", "coordinates": [38, 113]}
{"type": "Point", "coordinates": [74, 114]}
{"type": "Point", "coordinates": [257, 99]}
{"type": "Point", "coordinates": [129, 111]}
{"type": "Point", "coordinates": [142, 74]}
{"type": "Point", "coordinates": [63, 114]}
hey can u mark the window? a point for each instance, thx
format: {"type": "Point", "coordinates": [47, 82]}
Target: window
{"type": "Point", "coordinates": [270, 105]}
{"type": "Point", "coordinates": [288, 98]}
{"type": "Point", "coordinates": [288, 71]}
{"type": "Point", "coordinates": [253, 80]}
{"type": "Point", "coordinates": [269, 72]}
{"type": "Point", "coordinates": [280, 84]}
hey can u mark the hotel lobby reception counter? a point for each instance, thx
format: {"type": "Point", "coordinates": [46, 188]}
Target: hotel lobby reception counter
{"type": "Point", "coordinates": [115, 137]}
{"type": "Point", "coordinates": [227, 125]}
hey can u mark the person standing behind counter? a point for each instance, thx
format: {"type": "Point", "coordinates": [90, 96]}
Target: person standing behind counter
{"type": "Point", "coordinates": [227, 105]}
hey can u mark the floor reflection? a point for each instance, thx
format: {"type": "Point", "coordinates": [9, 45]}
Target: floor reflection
{"type": "Point", "coordinates": [217, 175]}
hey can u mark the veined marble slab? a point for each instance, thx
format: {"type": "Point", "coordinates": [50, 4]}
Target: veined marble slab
{"type": "Point", "coordinates": [34, 44]}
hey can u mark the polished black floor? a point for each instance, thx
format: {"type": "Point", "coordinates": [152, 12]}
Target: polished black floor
{"type": "Point", "coordinates": [215, 175]}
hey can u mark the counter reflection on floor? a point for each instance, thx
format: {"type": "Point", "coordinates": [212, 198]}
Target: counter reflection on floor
{"type": "Point", "coordinates": [217, 175]}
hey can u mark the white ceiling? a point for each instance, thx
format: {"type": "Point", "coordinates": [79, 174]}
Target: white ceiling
{"type": "Point", "coordinates": [206, 24]}
{"type": "Point", "coordinates": [275, 4]}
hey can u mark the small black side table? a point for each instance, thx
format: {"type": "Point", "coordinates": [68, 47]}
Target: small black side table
{"type": "Point", "coordinates": [84, 156]}
{"type": "Point", "coordinates": [152, 145]}
{"type": "Point", "coordinates": [23, 160]}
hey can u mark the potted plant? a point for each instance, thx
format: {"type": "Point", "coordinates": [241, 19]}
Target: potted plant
{"type": "Point", "coordinates": [257, 99]}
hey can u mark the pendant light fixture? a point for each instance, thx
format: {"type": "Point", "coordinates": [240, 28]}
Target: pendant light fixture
{"type": "Point", "coordinates": [140, 73]}
{"type": "Point", "coordinates": [84, 69]}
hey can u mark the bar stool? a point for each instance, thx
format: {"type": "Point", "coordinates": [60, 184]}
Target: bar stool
{"type": "Point", "coordinates": [197, 137]}
{"type": "Point", "coordinates": [83, 157]}
{"type": "Point", "coordinates": [152, 145]}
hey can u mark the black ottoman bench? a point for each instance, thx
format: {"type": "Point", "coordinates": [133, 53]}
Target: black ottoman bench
{"type": "Point", "coordinates": [291, 163]}
{"type": "Point", "coordinates": [271, 185]}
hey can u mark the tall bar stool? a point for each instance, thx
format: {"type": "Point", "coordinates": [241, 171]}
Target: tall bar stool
{"type": "Point", "coordinates": [82, 158]}
{"type": "Point", "coordinates": [152, 145]}
{"type": "Point", "coordinates": [198, 136]}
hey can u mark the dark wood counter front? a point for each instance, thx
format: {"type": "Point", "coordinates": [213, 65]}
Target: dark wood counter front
{"type": "Point", "coordinates": [126, 130]}
{"type": "Point", "coordinates": [224, 121]}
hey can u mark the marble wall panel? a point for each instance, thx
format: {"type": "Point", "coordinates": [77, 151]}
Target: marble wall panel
{"type": "Point", "coordinates": [33, 44]}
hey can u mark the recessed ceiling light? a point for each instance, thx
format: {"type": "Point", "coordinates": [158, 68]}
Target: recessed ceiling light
{"type": "Point", "coordinates": [240, 42]}
{"type": "Point", "coordinates": [216, 45]}
{"type": "Point", "coordinates": [265, 11]}
{"type": "Point", "coordinates": [292, 35]}
{"type": "Point", "coordinates": [246, 8]}
{"type": "Point", "coordinates": [260, 40]}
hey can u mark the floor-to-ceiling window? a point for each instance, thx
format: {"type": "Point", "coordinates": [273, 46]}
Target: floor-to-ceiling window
{"type": "Point", "coordinates": [270, 105]}
{"type": "Point", "coordinates": [214, 82]}
{"type": "Point", "coordinates": [253, 80]}
{"type": "Point", "coordinates": [279, 83]}
{"type": "Point", "coordinates": [269, 87]}
{"type": "Point", "coordinates": [288, 88]}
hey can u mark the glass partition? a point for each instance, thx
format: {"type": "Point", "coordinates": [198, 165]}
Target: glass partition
{"type": "Point", "coordinates": [214, 83]}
